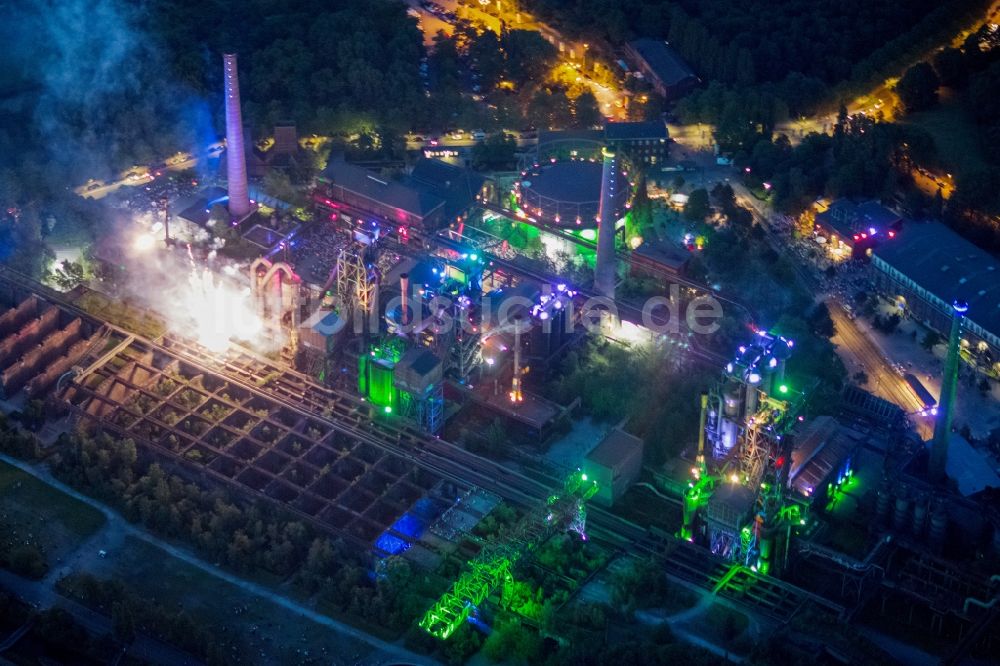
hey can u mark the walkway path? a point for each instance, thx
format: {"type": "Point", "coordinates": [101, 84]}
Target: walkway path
{"type": "Point", "coordinates": [116, 523]}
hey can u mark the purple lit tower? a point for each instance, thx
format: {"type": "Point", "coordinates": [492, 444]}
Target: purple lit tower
{"type": "Point", "coordinates": [604, 271]}
{"type": "Point", "coordinates": [236, 161]}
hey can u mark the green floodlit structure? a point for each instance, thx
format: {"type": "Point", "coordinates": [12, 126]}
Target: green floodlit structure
{"type": "Point", "coordinates": [494, 564]}
{"type": "Point", "coordinates": [375, 373]}
{"type": "Point", "coordinates": [740, 508]}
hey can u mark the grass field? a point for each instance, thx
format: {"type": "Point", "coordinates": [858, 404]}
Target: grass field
{"type": "Point", "coordinates": [34, 513]}
{"type": "Point", "coordinates": [121, 313]}
{"type": "Point", "coordinates": [953, 133]}
{"type": "Point", "coordinates": [275, 634]}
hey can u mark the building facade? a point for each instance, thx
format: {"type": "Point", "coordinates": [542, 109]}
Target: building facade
{"type": "Point", "coordinates": [615, 464]}
{"type": "Point", "coordinates": [434, 195]}
{"type": "Point", "coordinates": [926, 267]}
{"type": "Point", "coordinates": [663, 67]}
{"type": "Point", "coordinates": [645, 143]}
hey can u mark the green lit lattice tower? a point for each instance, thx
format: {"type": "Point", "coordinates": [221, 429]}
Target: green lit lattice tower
{"type": "Point", "coordinates": [493, 566]}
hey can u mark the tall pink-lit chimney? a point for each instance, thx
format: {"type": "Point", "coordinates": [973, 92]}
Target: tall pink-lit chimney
{"type": "Point", "coordinates": [236, 161]}
{"type": "Point", "coordinates": [404, 296]}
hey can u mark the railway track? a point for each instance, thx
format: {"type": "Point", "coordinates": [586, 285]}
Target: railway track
{"type": "Point", "coordinates": [355, 418]}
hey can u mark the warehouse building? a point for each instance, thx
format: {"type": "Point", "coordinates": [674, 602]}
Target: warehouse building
{"type": "Point", "coordinates": [615, 464]}
{"type": "Point", "coordinates": [433, 195]}
{"type": "Point", "coordinates": [662, 66]}
{"type": "Point", "coordinates": [926, 267]}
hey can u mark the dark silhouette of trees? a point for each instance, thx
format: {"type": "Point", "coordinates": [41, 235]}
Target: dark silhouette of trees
{"type": "Point", "coordinates": [495, 152]}
{"type": "Point", "coordinates": [949, 63]}
{"type": "Point", "coordinates": [586, 112]}
{"type": "Point", "coordinates": [917, 88]}
{"type": "Point", "coordinates": [797, 51]}
{"type": "Point", "coordinates": [697, 207]}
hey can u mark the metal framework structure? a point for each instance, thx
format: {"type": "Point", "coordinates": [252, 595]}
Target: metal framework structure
{"type": "Point", "coordinates": [466, 352]}
{"type": "Point", "coordinates": [355, 284]}
{"type": "Point", "coordinates": [494, 564]}
{"type": "Point", "coordinates": [753, 454]}
{"type": "Point", "coordinates": [426, 410]}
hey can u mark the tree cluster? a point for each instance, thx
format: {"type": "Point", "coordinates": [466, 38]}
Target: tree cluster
{"type": "Point", "coordinates": [644, 584]}
{"type": "Point", "coordinates": [974, 71]}
{"type": "Point", "coordinates": [605, 376]}
{"type": "Point", "coordinates": [248, 537]}
{"type": "Point", "coordinates": [795, 50]}
{"type": "Point", "coordinates": [131, 613]}
{"type": "Point", "coordinates": [863, 158]}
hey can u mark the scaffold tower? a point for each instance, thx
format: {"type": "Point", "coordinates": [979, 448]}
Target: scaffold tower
{"type": "Point", "coordinates": [355, 284]}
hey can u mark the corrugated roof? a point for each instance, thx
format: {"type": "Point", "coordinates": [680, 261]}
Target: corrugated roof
{"type": "Point", "coordinates": [847, 217]}
{"type": "Point", "coordinates": [663, 60]}
{"type": "Point", "coordinates": [458, 187]}
{"type": "Point", "coordinates": [663, 252]}
{"type": "Point", "coordinates": [948, 266]}
{"type": "Point", "coordinates": [417, 201]}
{"type": "Point", "coordinates": [617, 446]}
{"type": "Point", "coordinates": [971, 470]}
{"type": "Point", "coordinates": [819, 450]}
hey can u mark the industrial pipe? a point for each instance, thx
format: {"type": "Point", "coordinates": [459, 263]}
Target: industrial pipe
{"type": "Point", "coordinates": [404, 288]}
{"type": "Point", "coordinates": [701, 431]}
{"type": "Point", "coordinates": [516, 395]}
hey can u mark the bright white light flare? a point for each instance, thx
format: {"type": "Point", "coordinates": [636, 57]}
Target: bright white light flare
{"type": "Point", "coordinates": [217, 311]}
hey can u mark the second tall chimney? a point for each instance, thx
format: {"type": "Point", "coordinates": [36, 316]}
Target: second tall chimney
{"type": "Point", "coordinates": [942, 425]}
{"type": "Point", "coordinates": [604, 270]}
{"type": "Point", "coordinates": [236, 160]}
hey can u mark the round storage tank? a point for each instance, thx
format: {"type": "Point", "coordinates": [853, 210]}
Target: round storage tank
{"type": "Point", "coordinates": [939, 526]}
{"type": "Point", "coordinates": [883, 499]}
{"type": "Point", "coordinates": [899, 517]}
{"type": "Point", "coordinates": [731, 401]}
{"type": "Point", "coordinates": [919, 517]}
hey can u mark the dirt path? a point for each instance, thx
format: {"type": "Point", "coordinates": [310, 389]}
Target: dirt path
{"type": "Point", "coordinates": [117, 528]}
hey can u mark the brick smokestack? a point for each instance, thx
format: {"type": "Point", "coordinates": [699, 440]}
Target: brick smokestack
{"type": "Point", "coordinates": [942, 426]}
{"type": "Point", "coordinates": [604, 271]}
{"type": "Point", "coordinates": [236, 161]}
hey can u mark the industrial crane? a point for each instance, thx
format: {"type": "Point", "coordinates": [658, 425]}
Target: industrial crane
{"type": "Point", "coordinates": [494, 564]}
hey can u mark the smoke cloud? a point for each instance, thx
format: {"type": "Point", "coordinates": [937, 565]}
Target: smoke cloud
{"type": "Point", "coordinates": [106, 97]}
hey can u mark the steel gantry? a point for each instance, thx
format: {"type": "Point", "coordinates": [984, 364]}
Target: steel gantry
{"type": "Point", "coordinates": [494, 564]}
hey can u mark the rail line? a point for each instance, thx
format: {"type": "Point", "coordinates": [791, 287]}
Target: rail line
{"type": "Point", "coordinates": [355, 418]}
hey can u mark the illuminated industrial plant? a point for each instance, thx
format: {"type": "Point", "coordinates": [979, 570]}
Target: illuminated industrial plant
{"type": "Point", "coordinates": [738, 503]}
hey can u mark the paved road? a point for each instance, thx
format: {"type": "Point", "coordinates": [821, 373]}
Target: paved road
{"type": "Point", "coordinates": [116, 522]}
{"type": "Point", "coordinates": [19, 633]}
{"type": "Point", "coordinates": [142, 175]}
{"type": "Point", "coordinates": [860, 353]}
{"type": "Point", "coordinates": [856, 348]}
